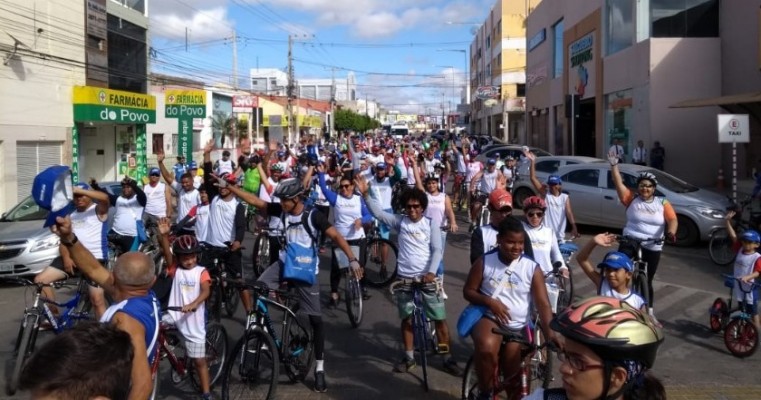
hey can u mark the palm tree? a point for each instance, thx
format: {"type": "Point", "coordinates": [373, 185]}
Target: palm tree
{"type": "Point", "coordinates": [223, 127]}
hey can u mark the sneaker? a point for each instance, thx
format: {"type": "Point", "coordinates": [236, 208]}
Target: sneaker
{"type": "Point", "coordinates": [333, 302]}
{"type": "Point", "coordinates": [444, 294]}
{"type": "Point", "coordinates": [451, 367]}
{"type": "Point", "coordinates": [206, 396]}
{"type": "Point", "coordinates": [405, 364]}
{"type": "Point", "coordinates": [319, 382]}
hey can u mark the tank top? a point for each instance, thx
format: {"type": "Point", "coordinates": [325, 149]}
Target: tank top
{"type": "Point", "coordinates": [346, 211]}
{"type": "Point", "coordinates": [224, 166]}
{"type": "Point", "coordinates": [414, 247]}
{"type": "Point", "coordinates": [436, 209]}
{"type": "Point", "coordinates": [489, 181]}
{"type": "Point", "coordinates": [516, 292]}
{"type": "Point", "coordinates": [644, 219]}
{"type": "Point", "coordinates": [473, 168]}
{"type": "Point", "coordinates": [91, 231]}
{"type": "Point", "coordinates": [541, 238]}
{"type": "Point", "coordinates": [155, 199]}
{"type": "Point", "coordinates": [382, 191]}
{"type": "Point", "coordinates": [744, 266]}
{"type": "Point", "coordinates": [554, 216]}
{"type": "Point", "coordinates": [128, 211]}
{"type": "Point", "coordinates": [145, 310]}
{"type": "Point", "coordinates": [186, 287]}
{"type": "Point", "coordinates": [221, 221]}
{"type": "Point", "coordinates": [631, 298]}
{"type": "Point", "coordinates": [202, 222]}
{"type": "Point", "coordinates": [187, 200]}
{"type": "Point", "coordinates": [489, 237]}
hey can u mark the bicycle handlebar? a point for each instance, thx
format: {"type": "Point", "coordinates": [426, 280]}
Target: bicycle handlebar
{"type": "Point", "coordinates": [753, 285]}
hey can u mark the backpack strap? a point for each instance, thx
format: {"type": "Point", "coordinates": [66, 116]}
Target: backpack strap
{"type": "Point", "coordinates": [305, 218]}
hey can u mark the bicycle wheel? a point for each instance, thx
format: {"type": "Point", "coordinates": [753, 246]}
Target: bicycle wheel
{"type": "Point", "coordinates": [718, 315]}
{"type": "Point", "coordinates": [253, 369]}
{"type": "Point", "coordinates": [640, 286]}
{"type": "Point", "coordinates": [232, 299]}
{"type": "Point", "coordinates": [214, 303]}
{"type": "Point", "coordinates": [741, 337]}
{"type": "Point", "coordinates": [261, 255]}
{"type": "Point", "coordinates": [421, 343]}
{"type": "Point", "coordinates": [565, 297]}
{"type": "Point", "coordinates": [380, 263]}
{"type": "Point", "coordinates": [23, 349]}
{"type": "Point", "coordinates": [299, 348]}
{"type": "Point", "coordinates": [156, 381]}
{"type": "Point", "coordinates": [470, 389]}
{"type": "Point", "coordinates": [720, 248]}
{"type": "Point", "coordinates": [216, 354]}
{"type": "Point", "coordinates": [353, 299]}
{"type": "Point", "coordinates": [541, 362]}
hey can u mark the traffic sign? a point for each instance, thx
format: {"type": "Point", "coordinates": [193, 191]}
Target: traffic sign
{"type": "Point", "coordinates": [734, 128]}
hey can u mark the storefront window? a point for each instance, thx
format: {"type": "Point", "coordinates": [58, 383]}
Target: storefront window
{"type": "Point", "coordinates": [685, 18]}
{"type": "Point", "coordinates": [557, 49]}
{"type": "Point", "coordinates": [618, 120]}
{"type": "Point", "coordinates": [127, 56]}
{"type": "Point", "coordinates": [620, 25]}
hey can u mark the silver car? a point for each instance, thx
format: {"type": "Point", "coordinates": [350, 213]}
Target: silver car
{"type": "Point", "coordinates": [595, 201]}
{"type": "Point", "coordinates": [545, 166]}
{"type": "Point", "coordinates": [25, 246]}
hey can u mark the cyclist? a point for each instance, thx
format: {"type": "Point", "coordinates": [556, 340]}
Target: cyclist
{"type": "Point", "coordinates": [484, 238]}
{"type": "Point", "coordinates": [559, 211]}
{"type": "Point", "coordinates": [350, 213]}
{"type": "Point", "coordinates": [647, 216]}
{"type": "Point", "coordinates": [227, 224]}
{"type": "Point", "coordinates": [487, 182]}
{"type": "Point", "coordinates": [89, 221]}
{"type": "Point", "coordinates": [613, 274]}
{"type": "Point", "coordinates": [135, 310]}
{"type": "Point", "coordinates": [507, 283]}
{"type": "Point", "coordinates": [382, 188]}
{"type": "Point", "coordinates": [608, 350]}
{"type": "Point", "coordinates": [420, 253]}
{"type": "Point", "coordinates": [458, 159]}
{"type": "Point", "coordinates": [158, 200]}
{"type": "Point", "coordinates": [301, 229]}
{"type": "Point", "coordinates": [225, 165]}
{"type": "Point", "coordinates": [510, 171]}
{"type": "Point", "coordinates": [129, 209]}
{"type": "Point", "coordinates": [747, 267]}
{"type": "Point", "coordinates": [269, 184]}
{"type": "Point", "coordinates": [187, 195]}
{"type": "Point", "coordinates": [543, 239]}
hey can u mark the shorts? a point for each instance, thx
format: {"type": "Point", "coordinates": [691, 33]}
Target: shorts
{"type": "Point", "coordinates": [341, 259]}
{"type": "Point", "coordinates": [478, 198]}
{"type": "Point", "coordinates": [192, 349]}
{"type": "Point", "coordinates": [385, 230]}
{"type": "Point", "coordinates": [433, 302]}
{"type": "Point", "coordinates": [57, 263]}
{"type": "Point", "coordinates": [309, 295]}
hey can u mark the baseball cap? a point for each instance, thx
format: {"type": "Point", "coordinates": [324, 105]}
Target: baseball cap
{"type": "Point", "coordinates": [52, 190]}
{"type": "Point", "coordinates": [154, 171]}
{"type": "Point", "coordinates": [554, 180]}
{"type": "Point", "coordinates": [500, 198]}
{"type": "Point", "coordinates": [83, 185]}
{"type": "Point", "coordinates": [616, 260]}
{"type": "Point", "coordinates": [193, 165]}
{"type": "Point", "coordinates": [491, 161]}
{"type": "Point", "coordinates": [380, 165]}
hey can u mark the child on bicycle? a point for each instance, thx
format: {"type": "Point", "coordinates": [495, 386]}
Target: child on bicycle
{"type": "Point", "coordinates": [613, 275]}
{"type": "Point", "coordinates": [747, 267]}
{"type": "Point", "coordinates": [190, 289]}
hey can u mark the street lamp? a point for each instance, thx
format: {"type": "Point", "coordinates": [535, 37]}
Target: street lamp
{"type": "Point", "coordinates": [453, 84]}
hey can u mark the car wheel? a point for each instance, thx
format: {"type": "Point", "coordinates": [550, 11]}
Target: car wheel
{"type": "Point", "coordinates": [687, 232]}
{"type": "Point", "coordinates": [520, 195]}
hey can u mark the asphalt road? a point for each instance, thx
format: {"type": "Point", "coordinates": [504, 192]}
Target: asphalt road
{"type": "Point", "coordinates": [359, 361]}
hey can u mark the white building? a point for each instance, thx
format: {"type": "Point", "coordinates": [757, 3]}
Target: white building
{"type": "Point", "coordinates": [271, 81]}
{"type": "Point", "coordinates": [321, 88]}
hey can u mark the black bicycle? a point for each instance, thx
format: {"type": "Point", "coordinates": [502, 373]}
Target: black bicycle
{"type": "Point", "coordinates": [262, 256]}
{"type": "Point", "coordinates": [639, 278]}
{"type": "Point", "coordinates": [720, 246]}
{"type": "Point", "coordinates": [380, 259]}
{"type": "Point", "coordinates": [224, 296]}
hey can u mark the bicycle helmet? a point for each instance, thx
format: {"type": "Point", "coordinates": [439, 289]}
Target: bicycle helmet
{"type": "Point", "coordinates": [229, 178]}
{"type": "Point", "coordinates": [473, 153]}
{"type": "Point", "coordinates": [647, 176]}
{"type": "Point", "coordinates": [750, 236]}
{"type": "Point", "coordinates": [554, 180]}
{"type": "Point", "coordinates": [431, 176]}
{"type": "Point", "coordinates": [276, 168]}
{"type": "Point", "coordinates": [185, 244]}
{"type": "Point", "coordinates": [613, 329]}
{"type": "Point", "coordinates": [534, 202]}
{"type": "Point", "coordinates": [288, 189]}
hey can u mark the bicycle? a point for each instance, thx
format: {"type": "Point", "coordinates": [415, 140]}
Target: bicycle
{"type": "Point", "coordinates": [223, 296]}
{"type": "Point", "coordinates": [567, 249]}
{"type": "Point", "coordinates": [422, 327]}
{"type": "Point", "coordinates": [380, 259]}
{"type": "Point", "coordinates": [485, 216]}
{"type": "Point", "coordinates": [462, 194]}
{"type": "Point", "coordinates": [77, 308]}
{"type": "Point", "coordinates": [740, 334]}
{"type": "Point", "coordinates": [639, 278]}
{"type": "Point", "coordinates": [353, 297]}
{"type": "Point", "coordinates": [262, 256]}
{"type": "Point", "coordinates": [171, 347]}
{"type": "Point", "coordinates": [535, 365]}
{"type": "Point", "coordinates": [260, 352]}
{"type": "Point", "coordinates": [720, 245]}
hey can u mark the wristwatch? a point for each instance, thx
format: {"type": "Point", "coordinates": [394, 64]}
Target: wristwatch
{"type": "Point", "coordinates": [74, 241]}
{"type": "Point", "coordinates": [353, 259]}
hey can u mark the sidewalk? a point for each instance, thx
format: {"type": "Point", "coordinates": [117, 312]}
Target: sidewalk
{"type": "Point", "coordinates": [713, 392]}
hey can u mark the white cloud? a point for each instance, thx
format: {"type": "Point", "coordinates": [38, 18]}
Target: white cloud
{"type": "Point", "coordinates": [202, 24]}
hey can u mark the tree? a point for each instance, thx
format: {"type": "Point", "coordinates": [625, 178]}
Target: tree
{"type": "Point", "coordinates": [223, 127]}
{"type": "Point", "coordinates": [349, 120]}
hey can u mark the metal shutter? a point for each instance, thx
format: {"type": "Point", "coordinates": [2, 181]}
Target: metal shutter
{"type": "Point", "coordinates": [31, 158]}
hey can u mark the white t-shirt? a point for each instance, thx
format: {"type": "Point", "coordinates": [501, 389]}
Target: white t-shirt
{"type": "Point", "coordinates": [91, 231]}
{"type": "Point", "coordinates": [436, 209]}
{"type": "Point", "coordinates": [473, 169]}
{"type": "Point", "coordinates": [414, 247]}
{"type": "Point", "coordinates": [545, 246]}
{"type": "Point", "coordinates": [155, 203]}
{"type": "Point", "coordinates": [382, 191]}
{"type": "Point", "coordinates": [128, 211]}
{"type": "Point", "coordinates": [516, 289]}
{"type": "Point", "coordinates": [489, 181]}
{"type": "Point", "coordinates": [187, 200]}
{"type": "Point", "coordinates": [221, 221]}
{"type": "Point", "coordinates": [345, 212]}
{"type": "Point", "coordinates": [186, 287]}
{"type": "Point", "coordinates": [631, 298]}
{"type": "Point", "coordinates": [202, 222]}
{"type": "Point", "coordinates": [224, 167]}
{"type": "Point", "coordinates": [554, 216]}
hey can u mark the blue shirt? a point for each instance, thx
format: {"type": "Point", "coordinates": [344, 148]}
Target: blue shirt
{"type": "Point", "coordinates": [179, 170]}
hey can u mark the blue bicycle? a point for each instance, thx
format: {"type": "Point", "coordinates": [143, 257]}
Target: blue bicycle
{"type": "Point", "coordinates": [76, 309]}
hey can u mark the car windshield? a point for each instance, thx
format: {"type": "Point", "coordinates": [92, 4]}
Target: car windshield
{"type": "Point", "coordinates": [399, 132]}
{"type": "Point", "coordinates": [27, 210]}
{"type": "Point", "coordinates": [672, 183]}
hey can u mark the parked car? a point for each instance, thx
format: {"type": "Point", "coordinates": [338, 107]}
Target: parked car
{"type": "Point", "coordinates": [514, 150]}
{"type": "Point", "coordinates": [595, 202]}
{"type": "Point", "coordinates": [484, 140]}
{"type": "Point", "coordinates": [25, 246]}
{"type": "Point", "coordinates": [545, 166]}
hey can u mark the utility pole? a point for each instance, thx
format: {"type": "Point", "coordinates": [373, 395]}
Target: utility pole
{"type": "Point", "coordinates": [235, 60]}
{"type": "Point", "coordinates": [291, 89]}
{"type": "Point", "coordinates": [332, 127]}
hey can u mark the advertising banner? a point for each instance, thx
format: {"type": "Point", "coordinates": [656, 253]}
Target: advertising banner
{"type": "Point", "coordinates": [581, 64]}
{"type": "Point", "coordinates": [94, 104]}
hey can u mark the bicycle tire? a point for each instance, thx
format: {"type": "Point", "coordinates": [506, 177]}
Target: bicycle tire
{"type": "Point", "coordinates": [214, 303]}
{"type": "Point", "coordinates": [720, 248]}
{"type": "Point", "coordinates": [22, 351]}
{"type": "Point", "coordinates": [216, 355]}
{"type": "Point", "coordinates": [298, 348]}
{"type": "Point", "coordinates": [261, 255]}
{"type": "Point", "coordinates": [232, 299]}
{"type": "Point", "coordinates": [379, 274]}
{"type": "Point", "coordinates": [741, 337]}
{"type": "Point", "coordinates": [640, 286]}
{"type": "Point", "coordinates": [565, 298]}
{"type": "Point", "coordinates": [421, 344]}
{"type": "Point", "coordinates": [353, 299]}
{"type": "Point", "coordinates": [469, 381]}
{"type": "Point", "coordinates": [718, 315]}
{"type": "Point", "coordinates": [543, 359]}
{"type": "Point", "coordinates": [246, 373]}
{"type": "Point", "coordinates": [156, 382]}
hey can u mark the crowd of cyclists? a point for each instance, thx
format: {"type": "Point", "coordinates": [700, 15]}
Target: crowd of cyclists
{"type": "Point", "coordinates": [317, 189]}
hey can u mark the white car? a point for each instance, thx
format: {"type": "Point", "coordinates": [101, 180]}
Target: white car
{"type": "Point", "coordinates": [545, 166]}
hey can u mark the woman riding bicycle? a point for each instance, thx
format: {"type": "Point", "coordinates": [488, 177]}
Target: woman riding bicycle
{"type": "Point", "coordinates": [543, 239]}
{"type": "Point", "coordinates": [507, 283]}
{"type": "Point", "coordinates": [647, 216]}
{"type": "Point", "coordinates": [608, 349]}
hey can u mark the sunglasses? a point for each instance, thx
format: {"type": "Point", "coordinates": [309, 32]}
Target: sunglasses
{"type": "Point", "coordinates": [646, 186]}
{"type": "Point", "coordinates": [344, 186]}
{"type": "Point", "coordinates": [577, 362]}
{"type": "Point", "coordinates": [156, 175]}
{"type": "Point", "coordinates": [536, 214]}
{"type": "Point", "coordinates": [414, 206]}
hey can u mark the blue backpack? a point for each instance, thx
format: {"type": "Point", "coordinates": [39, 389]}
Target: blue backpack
{"type": "Point", "coordinates": [300, 261]}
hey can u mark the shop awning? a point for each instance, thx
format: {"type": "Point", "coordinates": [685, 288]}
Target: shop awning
{"type": "Point", "coordinates": [747, 103]}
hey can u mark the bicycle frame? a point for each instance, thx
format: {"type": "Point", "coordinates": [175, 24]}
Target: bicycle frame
{"type": "Point", "coordinates": [261, 317]}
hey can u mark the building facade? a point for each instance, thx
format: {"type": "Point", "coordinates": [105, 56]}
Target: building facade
{"type": "Point", "coordinates": [269, 81]}
{"type": "Point", "coordinates": [498, 71]}
{"type": "Point", "coordinates": [606, 70]}
{"type": "Point", "coordinates": [322, 88]}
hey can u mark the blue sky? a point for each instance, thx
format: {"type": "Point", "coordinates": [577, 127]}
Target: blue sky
{"type": "Point", "coordinates": [398, 37]}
